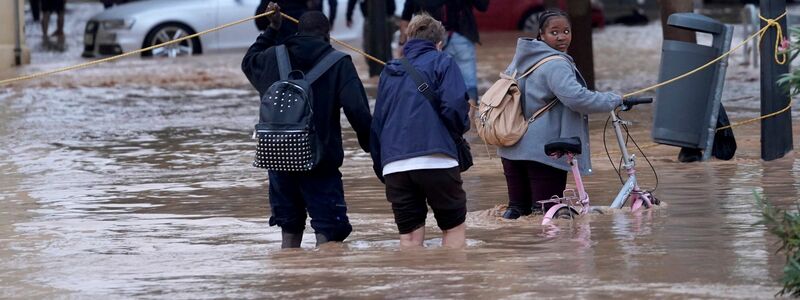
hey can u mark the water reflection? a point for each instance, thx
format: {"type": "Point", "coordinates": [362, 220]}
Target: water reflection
{"type": "Point", "coordinates": [171, 206]}
{"type": "Point", "coordinates": [146, 192]}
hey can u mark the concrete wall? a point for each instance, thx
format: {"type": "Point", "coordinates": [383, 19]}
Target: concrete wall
{"type": "Point", "coordinates": [8, 36]}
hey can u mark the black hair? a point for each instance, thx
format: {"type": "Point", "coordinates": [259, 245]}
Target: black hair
{"type": "Point", "coordinates": [548, 15]}
{"type": "Point", "coordinates": [314, 23]}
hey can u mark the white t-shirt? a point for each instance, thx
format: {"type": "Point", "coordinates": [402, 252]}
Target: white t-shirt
{"type": "Point", "coordinates": [433, 161]}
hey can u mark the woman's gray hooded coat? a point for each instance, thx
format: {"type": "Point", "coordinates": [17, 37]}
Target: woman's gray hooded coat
{"type": "Point", "coordinates": [554, 79]}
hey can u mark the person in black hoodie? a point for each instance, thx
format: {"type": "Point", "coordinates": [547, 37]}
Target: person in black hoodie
{"type": "Point", "coordinates": [319, 191]}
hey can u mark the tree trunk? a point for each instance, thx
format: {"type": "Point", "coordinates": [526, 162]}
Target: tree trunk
{"type": "Point", "coordinates": [776, 132]}
{"type": "Point", "coordinates": [377, 35]}
{"type": "Point", "coordinates": [580, 13]}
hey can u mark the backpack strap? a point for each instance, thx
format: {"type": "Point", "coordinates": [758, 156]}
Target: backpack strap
{"type": "Point", "coordinates": [542, 110]}
{"type": "Point", "coordinates": [553, 102]}
{"type": "Point", "coordinates": [284, 65]}
{"type": "Point", "coordinates": [323, 65]}
{"type": "Point", "coordinates": [539, 64]}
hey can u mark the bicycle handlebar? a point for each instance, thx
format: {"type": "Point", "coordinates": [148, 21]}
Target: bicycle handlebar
{"type": "Point", "coordinates": [636, 101]}
{"type": "Point", "coordinates": [628, 103]}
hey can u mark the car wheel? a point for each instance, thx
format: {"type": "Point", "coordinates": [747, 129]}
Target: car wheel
{"type": "Point", "coordinates": [530, 22]}
{"type": "Point", "coordinates": [170, 32]}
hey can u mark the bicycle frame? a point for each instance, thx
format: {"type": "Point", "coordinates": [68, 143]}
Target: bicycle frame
{"type": "Point", "coordinates": [569, 201]}
{"type": "Point", "coordinates": [631, 187]}
{"type": "Point", "coordinates": [630, 190]}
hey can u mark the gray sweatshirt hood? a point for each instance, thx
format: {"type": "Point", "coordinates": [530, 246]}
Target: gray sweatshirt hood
{"type": "Point", "coordinates": [529, 52]}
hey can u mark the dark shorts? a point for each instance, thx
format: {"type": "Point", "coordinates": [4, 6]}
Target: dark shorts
{"type": "Point", "coordinates": [407, 191]}
{"type": "Point", "coordinates": [53, 5]}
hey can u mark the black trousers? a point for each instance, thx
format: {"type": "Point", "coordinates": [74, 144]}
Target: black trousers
{"type": "Point", "coordinates": [530, 181]}
{"type": "Point", "coordinates": [56, 6]}
{"type": "Point", "coordinates": [35, 9]}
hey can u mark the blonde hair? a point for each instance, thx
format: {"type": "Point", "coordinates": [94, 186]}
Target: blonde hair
{"type": "Point", "coordinates": [423, 26]}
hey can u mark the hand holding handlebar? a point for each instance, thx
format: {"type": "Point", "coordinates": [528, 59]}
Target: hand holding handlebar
{"type": "Point", "coordinates": [628, 103]}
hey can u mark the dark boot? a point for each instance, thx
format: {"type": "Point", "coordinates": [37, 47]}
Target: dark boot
{"type": "Point", "coordinates": [513, 213]}
{"type": "Point", "coordinates": [536, 209]}
{"type": "Point", "coordinates": [321, 239]}
{"type": "Point", "coordinates": [690, 155]}
{"type": "Point", "coordinates": [291, 240]}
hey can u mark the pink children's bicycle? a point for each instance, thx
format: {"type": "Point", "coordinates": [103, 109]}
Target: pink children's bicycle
{"type": "Point", "coordinates": [573, 203]}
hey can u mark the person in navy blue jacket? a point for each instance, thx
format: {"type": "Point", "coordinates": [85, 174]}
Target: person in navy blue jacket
{"type": "Point", "coordinates": [412, 149]}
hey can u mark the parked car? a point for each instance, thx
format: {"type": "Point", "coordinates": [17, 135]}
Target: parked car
{"type": "Point", "coordinates": [617, 10]}
{"type": "Point", "coordinates": [139, 24]}
{"type": "Point", "coordinates": [135, 25]}
{"type": "Point", "coordinates": [505, 15]}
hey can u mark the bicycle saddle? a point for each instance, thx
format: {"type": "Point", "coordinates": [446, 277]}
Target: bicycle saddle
{"type": "Point", "coordinates": [561, 146]}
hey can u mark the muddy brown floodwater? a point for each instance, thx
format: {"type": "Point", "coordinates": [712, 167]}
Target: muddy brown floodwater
{"type": "Point", "coordinates": [133, 179]}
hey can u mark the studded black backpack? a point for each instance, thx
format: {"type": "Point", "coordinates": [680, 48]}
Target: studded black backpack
{"type": "Point", "coordinates": [287, 139]}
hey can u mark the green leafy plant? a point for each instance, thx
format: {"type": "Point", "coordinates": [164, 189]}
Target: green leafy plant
{"type": "Point", "coordinates": [786, 226]}
{"type": "Point", "coordinates": [791, 81]}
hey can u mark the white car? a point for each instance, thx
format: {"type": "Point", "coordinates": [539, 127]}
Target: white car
{"type": "Point", "coordinates": [140, 24]}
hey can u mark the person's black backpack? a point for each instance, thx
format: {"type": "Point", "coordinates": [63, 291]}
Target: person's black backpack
{"type": "Point", "coordinates": [287, 139]}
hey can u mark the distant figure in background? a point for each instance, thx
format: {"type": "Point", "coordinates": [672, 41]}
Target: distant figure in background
{"type": "Point", "coordinates": [49, 7]}
{"type": "Point", "coordinates": [332, 5]}
{"type": "Point", "coordinates": [462, 32]}
{"type": "Point", "coordinates": [637, 17]}
{"type": "Point", "coordinates": [370, 47]}
{"type": "Point", "coordinates": [295, 9]}
{"type": "Point", "coordinates": [109, 3]}
{"type": "Point", "coordinates": [35, 9]}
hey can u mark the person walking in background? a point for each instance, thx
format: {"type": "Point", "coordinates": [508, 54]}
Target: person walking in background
{"type": "Point", "coordinates": [110, 3]}
{"type": "Point", "coordinates": [332, 7]}
{"type": "Point", "coordinates": [462, 32]}
{"type": "Point", "coordinates": [371, 47]}
{"type": "Point", "coordinates": [530, 174]}
{"type": "Point", "coordinates": [295, 9]}
{"type": "Point", "coordinates": [318, 192]}
{"type": "Point", "coordinates": [49, 7]}
{"type": "Point", "coordinates": [35, 9]}
{"type": "Point", "coordinates": [412, 146]}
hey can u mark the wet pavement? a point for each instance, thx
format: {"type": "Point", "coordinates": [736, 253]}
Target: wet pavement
{"type": "Point", "coordinates": [133, 180]}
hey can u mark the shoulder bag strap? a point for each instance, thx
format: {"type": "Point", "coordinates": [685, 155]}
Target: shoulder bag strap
{"type": "Point", "coordinates": [284, 65]}
{"type": "Point", "coordinates": [422, 86]}
{"type": "Point", "coordinates": [425, 88]}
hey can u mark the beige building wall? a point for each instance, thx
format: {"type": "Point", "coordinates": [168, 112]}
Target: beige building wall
{"type": "Point", "coordinates": [8, 37]}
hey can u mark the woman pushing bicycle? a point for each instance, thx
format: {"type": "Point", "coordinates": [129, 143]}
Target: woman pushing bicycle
{"type": "Point", "coordinates": [530, 174]}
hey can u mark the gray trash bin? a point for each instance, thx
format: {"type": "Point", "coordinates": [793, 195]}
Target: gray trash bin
{"type": "Point", "coordinates": [685, 112]}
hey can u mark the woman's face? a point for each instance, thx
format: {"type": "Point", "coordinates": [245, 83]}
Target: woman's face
{"type": "Point", "coordinates": [557, 33]}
